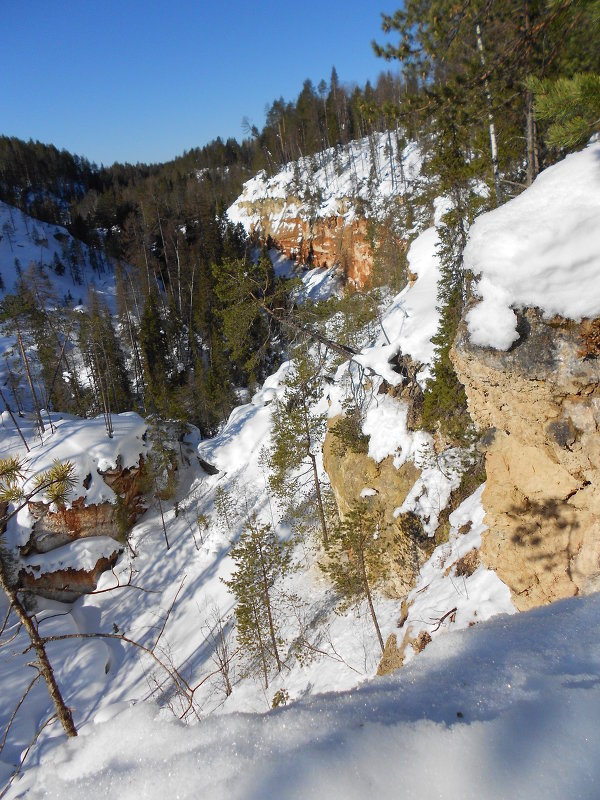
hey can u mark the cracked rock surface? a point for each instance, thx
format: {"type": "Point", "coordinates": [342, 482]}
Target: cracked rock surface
{"type": "Point", "coordinates": [540, 401]}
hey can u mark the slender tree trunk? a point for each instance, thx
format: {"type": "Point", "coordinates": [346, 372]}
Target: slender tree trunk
{"type": "Point", "coordinates": [63, 712]}
{"type": "Point", "coordinates": [12, 416]}
{"type": "Point", "coordinates": [367, 589]}
{"type": "Point", "coordinates": [103, 394]}
{"type": "Point", "coordinates": [30, 379]}
{"type": "Point", "coordinates": [162, 517]}
{"type": "Point", "coordinates": [491, 124]}
{"type": "Point", "coordinates": [268, 607]}
{"type": "Point", "coordinates": [531, 127]}
{"type": "Point", "coordinates": [532, 145]}
{"type": "Point", "coordinates": [313, 460]}
{"type": "Point", "coordinates": [261, 645]}
{"type": "Point", "coordinates": [319, 501]}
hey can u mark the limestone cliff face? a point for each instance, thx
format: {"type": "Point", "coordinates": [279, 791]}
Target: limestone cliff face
{"type": "Point", "coordinates": [324, 242]}
{"type": "Point", "coordinates": [349, 473]}
{"type": "Point", "coordinates": [540, 401]}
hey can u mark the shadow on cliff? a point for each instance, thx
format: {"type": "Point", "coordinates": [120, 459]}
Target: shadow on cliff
{"type": "Point", "coordinates": [536, 521]}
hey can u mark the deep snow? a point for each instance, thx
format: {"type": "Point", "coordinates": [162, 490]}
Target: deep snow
{"type": "Point", "coordinates": [505, 709]}
{"type": "Point", "coordinates": [541, 249]}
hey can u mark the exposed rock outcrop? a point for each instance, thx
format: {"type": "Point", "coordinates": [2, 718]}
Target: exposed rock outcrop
{"type": "Point", "coordinates": [65, 526]}
{"type": "Point", "coordinates": [540, 401]}
{"type": "Point", "coordinates": [66, 585]}
{"type": "Point", "coordinates": [53, 529]}
{"type": "Point", "coordinates": [322, 242]}
{"type": "Point", "coordinates": [351, 472]}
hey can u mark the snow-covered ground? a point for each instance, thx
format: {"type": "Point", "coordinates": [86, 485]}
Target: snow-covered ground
{"type": "Point", "coordinates": [507, 709]}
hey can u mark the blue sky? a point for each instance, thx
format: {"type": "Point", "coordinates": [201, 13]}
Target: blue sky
{"type": "Point", "coordinates": [144, 81]}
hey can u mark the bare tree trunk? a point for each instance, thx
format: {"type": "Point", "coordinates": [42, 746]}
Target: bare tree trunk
{"type": "Point", "coordinates": [491, 125]}
{"type": "Point", "coordinates": [370, 599]}
{"type": "Point", "coordinates": [162, 517]}
{"type": "Point", "coordinates": [30, 379]}
{"type": "Point", "coordinates": [63, 712]}
{"type": "Point", "coordinates": [532, 145]}
{"type": "Point", "coordinates": [268, 607]}
{"type": "Point", "coordinates": [319, 501]}
{"type": "Point", "coordinates": [262, 647]}
{"type": "Point", "coordinates": [12, 416]}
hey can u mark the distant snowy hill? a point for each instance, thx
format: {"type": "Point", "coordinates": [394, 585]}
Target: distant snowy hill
{"type": "Point", "coordinates": [71, 265]}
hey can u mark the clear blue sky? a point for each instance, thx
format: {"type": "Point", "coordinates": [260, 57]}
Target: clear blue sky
{"type": "Point", "coordinates": [144, 80]}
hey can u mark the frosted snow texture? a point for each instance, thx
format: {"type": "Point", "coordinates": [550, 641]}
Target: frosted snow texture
{"type": "Point", "coordinates": [541, 249]}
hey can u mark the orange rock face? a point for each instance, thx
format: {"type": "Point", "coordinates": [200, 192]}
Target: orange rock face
{"type": "Point", "coordinates": [321, 242]}
{"type": "Point", "coordinates": [54, 529]}
{"type": "Point", "coordinates": [68, 584]}
{"type": "Point", "coordinates": [328, 243]}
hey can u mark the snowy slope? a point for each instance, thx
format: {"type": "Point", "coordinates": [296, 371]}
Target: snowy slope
{"type": "Point", "coordinates": [505, 709]}
{"type": "Point", "coordinates": [334, 182]}
{"type": "Point", "coordinates": [30, 241]}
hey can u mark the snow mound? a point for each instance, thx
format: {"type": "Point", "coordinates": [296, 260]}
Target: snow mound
{"type": "Point", "coordinates": [541, 249]}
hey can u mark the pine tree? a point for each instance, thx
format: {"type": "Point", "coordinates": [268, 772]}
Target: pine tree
{"type": "Point", "coordinates": [56, 483]}
{"type": "Point", "coordinates": [356, 558]}
{"type": "Point", "coordinates": [261, 559]}
{"type": "Point", "coordinates": [571, 107]}
{"type": "Point", "coordinates": [297, 432]}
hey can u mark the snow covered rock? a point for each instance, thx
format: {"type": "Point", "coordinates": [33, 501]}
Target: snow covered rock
{"type": "Point", "coordinates": [536, 388]}
{"type": "Point", "coordinates": [316, 210]}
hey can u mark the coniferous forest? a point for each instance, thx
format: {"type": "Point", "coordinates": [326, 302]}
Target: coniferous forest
{"type": "Point", "coordinates": [491, 92]}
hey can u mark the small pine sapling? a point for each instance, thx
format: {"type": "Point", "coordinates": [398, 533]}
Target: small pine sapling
{"type": "Point", "coordinates": [356, 557]}
{"type": "Point", "coordinates": [261, 559]}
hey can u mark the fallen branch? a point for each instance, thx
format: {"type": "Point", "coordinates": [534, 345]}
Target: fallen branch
{"type": "Point", "coordinates": [443, 617]}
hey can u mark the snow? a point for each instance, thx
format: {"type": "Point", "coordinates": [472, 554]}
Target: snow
{"type": "Point", "coordinates": [505, 709]}
{"type": "Point", "coordinates": [541, 249]}
{"type": "Point", "coordinates": [85, 443]}
{"type": "Point", "coordinates": [412, 318]}
{"type": "Point", "coordinates": [82, 554]}
{"type": "Point", "coordinates": [474, 598]}
{"type": "Point", "coordinates": [32, 241]}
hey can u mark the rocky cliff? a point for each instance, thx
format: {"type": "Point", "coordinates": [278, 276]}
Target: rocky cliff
{"type": "Point", "coordinates": [338, 239]}
{"type": "Point", "coordinates": [350, 473]}
{"type": "Point", "coordinates": [323, 211]}
{"type": "Point", "coordinates": [539, 402]}
{"type": "Point", "coordinates": [56, 562]}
